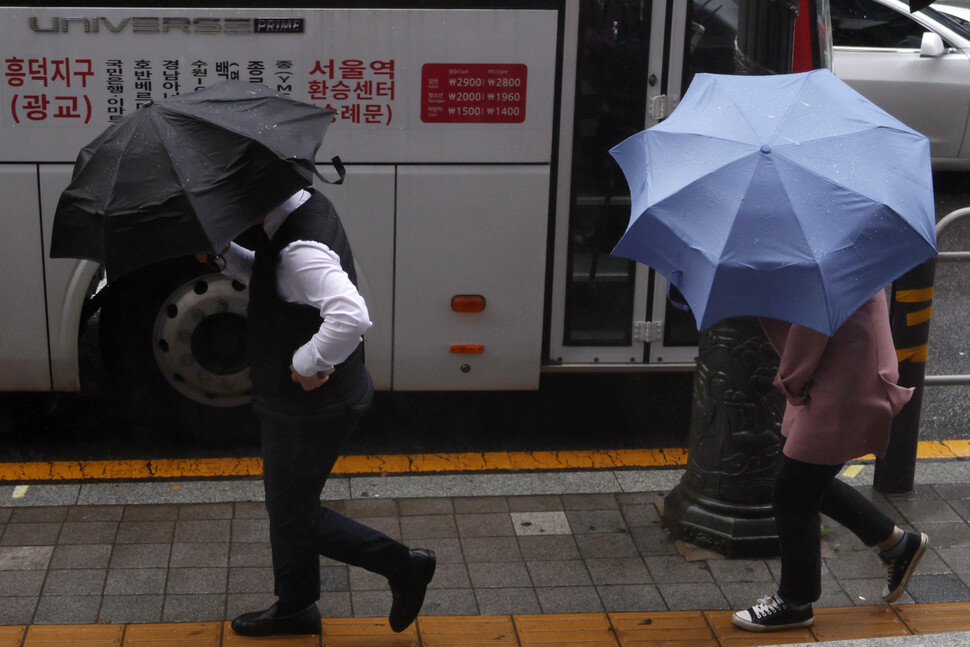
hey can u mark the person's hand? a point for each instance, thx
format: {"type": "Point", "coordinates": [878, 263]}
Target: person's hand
{"type": "Point", "coordinates": [204, 257]}
{"type": "Point", "coordinates": [309, 382]}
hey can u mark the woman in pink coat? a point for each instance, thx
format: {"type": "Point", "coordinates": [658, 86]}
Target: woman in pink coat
{"type": "Point", "coordinates": [842, 395]}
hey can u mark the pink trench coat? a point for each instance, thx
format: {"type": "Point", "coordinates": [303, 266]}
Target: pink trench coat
{"type": "Point", "coordinates": [841, 390]}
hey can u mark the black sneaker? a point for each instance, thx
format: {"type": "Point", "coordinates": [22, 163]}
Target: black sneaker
{"type": "Point", "coordinates": [773, 614]}
{"type": "Point", "coordinates": [902, 566]}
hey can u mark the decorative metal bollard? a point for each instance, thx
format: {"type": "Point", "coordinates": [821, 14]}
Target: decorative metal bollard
{"type": "Point", "coordinates": [723, 501]}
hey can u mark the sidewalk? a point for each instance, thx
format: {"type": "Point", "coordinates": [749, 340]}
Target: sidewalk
{"type": "Point", "coordinates": [523, 549]}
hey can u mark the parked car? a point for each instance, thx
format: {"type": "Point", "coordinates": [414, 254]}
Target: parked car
{"type": "Point", "coordinates": [914, 66]}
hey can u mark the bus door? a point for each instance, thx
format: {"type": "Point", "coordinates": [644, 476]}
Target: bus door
{"type": "Point", "coordinates": [622, 73]}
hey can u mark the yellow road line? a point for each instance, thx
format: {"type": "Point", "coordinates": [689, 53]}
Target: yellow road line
{"type": "Point", "coordinates": [388, 464]}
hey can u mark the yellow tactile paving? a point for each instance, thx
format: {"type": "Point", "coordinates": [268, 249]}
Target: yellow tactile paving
{"type": "Point", "coordinates": [194, 634]}
{"type": "Point", "coordinates": [231, 639]}
{"type": "Point", "coordinates": [83, 635]}
{"type": "Point", "coordinates": [857, 622]}
{"type": "Point", "coordinates": [586, 629]}
{"type": "Point", "coordinates": [935, 618]}
{"type": "Point", "coordinates": [730, 636]}
{"type": "Point", "coordinates": [669, 628]}
{"type": "Point", "coordinates": [467, 631]}
{"type": "Point", "coordinates": [12, 636]}
{"type": "Point", "coordinates": [365, 632]}
{"type": "Point", "coordinates": [133, 470]}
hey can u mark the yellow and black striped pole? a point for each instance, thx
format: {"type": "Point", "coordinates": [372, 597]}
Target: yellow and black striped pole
{"type": "Point", "coordinates": [910, 312]}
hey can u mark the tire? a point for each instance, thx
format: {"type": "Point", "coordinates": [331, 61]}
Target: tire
{"type": "Point", "coordinates": [173, 341]}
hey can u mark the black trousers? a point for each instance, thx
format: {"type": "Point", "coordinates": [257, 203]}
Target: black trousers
{"type": "Point", "coordinates": [297, 459]}
{"type": "Point", "coordinates": [802, 491]}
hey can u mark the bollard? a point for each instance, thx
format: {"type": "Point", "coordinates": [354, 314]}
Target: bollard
{"type": "Point", "coordinates": [723, 501]}
{"type": "Point", "coordinates": [909, 314]}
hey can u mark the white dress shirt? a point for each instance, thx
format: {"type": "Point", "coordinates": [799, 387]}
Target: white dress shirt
{"type": "Point", "coordinates": [309, 273]}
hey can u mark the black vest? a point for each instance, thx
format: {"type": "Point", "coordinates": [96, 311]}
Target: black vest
{"type": "Point", "coordinates": [277, 328]}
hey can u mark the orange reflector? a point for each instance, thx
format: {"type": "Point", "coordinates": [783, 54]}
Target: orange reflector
{"type": "Point", "coordinates": [468, 303]}
{"type": "Point", "coordinates": [467, 349]}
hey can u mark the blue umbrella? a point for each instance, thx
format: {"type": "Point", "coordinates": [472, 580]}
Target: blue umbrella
{"type": "Point", "coordinates": [785, 196]}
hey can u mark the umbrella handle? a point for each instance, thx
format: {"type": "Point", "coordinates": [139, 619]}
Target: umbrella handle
{"type": "Point", "coordinates": [683, 307]}
{"type": "Point", "coordinates": [338, 166]}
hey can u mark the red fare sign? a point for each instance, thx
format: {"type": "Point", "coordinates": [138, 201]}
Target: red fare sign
{"type": "Point", "coordinates": [473, 93]}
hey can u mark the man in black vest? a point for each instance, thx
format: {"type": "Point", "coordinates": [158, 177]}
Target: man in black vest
{"type": "Point", "coordinates": [306, 320]}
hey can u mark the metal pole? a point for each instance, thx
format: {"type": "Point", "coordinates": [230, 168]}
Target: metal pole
{"type": "Point", "coordinates": [909, 315]}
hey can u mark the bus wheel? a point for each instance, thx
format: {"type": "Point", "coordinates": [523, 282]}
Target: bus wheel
{"type": "Point", "coordinates": [173, 340]}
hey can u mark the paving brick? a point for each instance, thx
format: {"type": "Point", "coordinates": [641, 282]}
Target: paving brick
{"type": "Point", "coordinates": [145, 532]}
{"type": "Point", "coordinates": [480, 504]}
{"type": "Point", "coordinates": [31, 534]}
{"type": "Point", "coordinates": [38, 514]}
{"type": "Point", "coordinates": [938, 588]}
{"type": "Point", "coordinates": [89, 532]}
{"type": "Point", "coordinates": [95, 513]}
{"type": "Point", "coordinates": [85, 581]}
{"type": "Point", "coordinates": [67, 609]}
{"type": "Point", "coordinates": [618, 570]}
{"type": "Point", "coordinates": [491, 549]}
{"type": "Point", "coordinates": [595, 521]}
{"type": "Point", "coordinates": [200, 555]}
{"type": "Point", "coordinates": [569, 599]}
{"type": "Point", "coordinates": [123, 609]}
{"type": "Point", "coordinates": [499, 575]}
{"type": "Point", "coordinates": [140, 555]}
{"type": "Point", "coordinates": [21, 583]}
{"type": "Point", "coordinates": [589, 502]}
{"type": "Point", "coordinates": [425, 506]}
{"type": "Point", "coordinates": [214, 530]}
{"type": "Point", "coordinates": [450, 576]}
{"type": "Point", "coordinates": [250, 510]}
{"type": "Point", "coordinates": [536, 503]}
{"type": "Point", "coordinates": [559, 573]}
{"type": "Point", "coordinates": [17, 610]}
{"type": "Point", "coordinates": [135, 581]}
{"type": "Point", "coordinates": [25, 558]}
{"type": "Point", "coordinates": [535, 548]}
{"type": "Point", "coordinates": [336, 578]}
{"type": "Point", "coordinates": [448, 550]}
{"type": "Point", "coordinates": [450, 602]}
{"type": "Point", "coordinates": [81, 556]}
{"type": "Point", "coordinates": [497, 524]}
{"type": "Point", "coordinates": [693, 596]}
{"type": "Point", "coordinates": [631, 597]}
{"type": "Point", "coordinates": [196, 580]}
{"type": "Point", "coordinates": [606, 545]}
{"type": "Point", "coordinates": [250, 554]}
{"type": "Point", "coordinates": [740, 570]}
{"type": "Point", "coordinates": [438, 525]}
{"type": "Point", "coordinates": [194, 608]}
{"type": "Point", "coordinates": [507, 601]}
{"type": "Point", "coordinates": [203, 511]}
{"type": "Point", "coordinates": [150, 513]}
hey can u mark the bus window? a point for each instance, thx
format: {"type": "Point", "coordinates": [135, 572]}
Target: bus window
{"type": "Point", "coordinates": [610, 106]}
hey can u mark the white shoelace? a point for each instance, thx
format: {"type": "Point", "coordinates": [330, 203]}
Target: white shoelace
{"type": "Point", "coordinates": [766, 606]}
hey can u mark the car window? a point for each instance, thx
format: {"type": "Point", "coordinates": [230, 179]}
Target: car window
{"type": "Point", "coordinates": [863, 23]}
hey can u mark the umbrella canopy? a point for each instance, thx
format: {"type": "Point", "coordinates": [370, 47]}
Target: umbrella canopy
{"type": "Point", "coordinates": [784, 196]}
{"type": "Point", "coordinates": [186, 174]}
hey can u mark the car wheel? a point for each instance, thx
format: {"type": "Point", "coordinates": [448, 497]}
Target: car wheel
{"type": "Point", "coordinates": [173, 340]}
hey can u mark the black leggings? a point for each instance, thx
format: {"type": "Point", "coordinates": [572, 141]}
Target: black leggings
{"type": "Point", "coordinates": [802, 491]}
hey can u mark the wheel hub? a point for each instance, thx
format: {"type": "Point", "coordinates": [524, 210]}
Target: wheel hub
{"type": "Point", "coordinates": [200, 341]}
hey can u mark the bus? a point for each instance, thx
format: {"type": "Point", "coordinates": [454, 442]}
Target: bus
{"type": "Point", "coordinates": [475, 137]}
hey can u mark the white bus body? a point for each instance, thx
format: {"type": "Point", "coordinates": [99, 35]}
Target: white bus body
{"type": "Point", "coordinates": [475, 144]}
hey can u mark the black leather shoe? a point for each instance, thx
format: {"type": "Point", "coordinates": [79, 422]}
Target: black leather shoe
{"type": "Point", "coordinates": [408, 595]}
{"type": "Point", "coordinates": [269, 623]}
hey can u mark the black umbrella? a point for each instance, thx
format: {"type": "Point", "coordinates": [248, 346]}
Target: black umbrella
{"type": "Point", "coordinates": [186, 174]}
{"type": "Point", "coordinates": [916, 5]}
